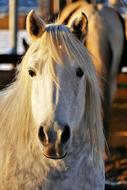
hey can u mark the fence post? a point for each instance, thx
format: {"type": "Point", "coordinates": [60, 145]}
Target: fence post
{"type": "Point", "coordinates": [55, 6]}
{"type": "Point", "coordinates": [13, 25]}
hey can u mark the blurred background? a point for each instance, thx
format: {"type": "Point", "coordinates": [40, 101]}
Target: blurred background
{"type": "Point", "coordinates": [14, 43]}
{"type": "Point", "coordinates": [14, 12]}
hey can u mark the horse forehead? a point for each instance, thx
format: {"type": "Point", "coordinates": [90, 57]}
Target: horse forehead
{"type": "Point", "coordinates": [65, 71]}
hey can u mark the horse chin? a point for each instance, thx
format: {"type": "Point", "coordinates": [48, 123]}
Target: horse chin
{"type": "Point", "coordinates": [55, 157]}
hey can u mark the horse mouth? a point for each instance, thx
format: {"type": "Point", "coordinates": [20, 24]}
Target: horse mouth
{"type": "Point", "coordinates": [55, 157]}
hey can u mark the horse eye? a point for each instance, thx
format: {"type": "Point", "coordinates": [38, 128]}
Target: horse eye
{"type": "Point", "coordinates": [31, 72]}
{"type": "Point", "coordinates": [79, 72]}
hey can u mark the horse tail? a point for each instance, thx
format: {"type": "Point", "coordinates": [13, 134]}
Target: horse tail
{"type": "Point", "coordinates": [123, 61]}
{"type": "Point", "coordinates": [25, 44]}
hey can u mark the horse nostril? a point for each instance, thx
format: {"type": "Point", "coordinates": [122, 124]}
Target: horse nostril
{"type": "Point", "coordinates": [42, 135]}
{"type": "Point", "coordinates": [65, 134]}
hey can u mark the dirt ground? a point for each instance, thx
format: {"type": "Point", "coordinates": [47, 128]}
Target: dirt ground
{"type": "Point", "coordinates": [116, 162]}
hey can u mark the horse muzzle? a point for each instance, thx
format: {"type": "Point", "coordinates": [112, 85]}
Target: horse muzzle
{"type": "Point", "coordinates": [54, 140]}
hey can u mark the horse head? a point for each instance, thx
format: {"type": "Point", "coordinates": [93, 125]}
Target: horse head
{"type": "Point", "coordinates": [58, 86]}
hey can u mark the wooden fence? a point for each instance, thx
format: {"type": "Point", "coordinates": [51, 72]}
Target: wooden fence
{"type": "Point", "coordinates": [8, 76]}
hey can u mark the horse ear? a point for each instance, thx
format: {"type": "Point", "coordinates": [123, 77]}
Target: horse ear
{"type": "Point", "coordinates": [35, 25]}
{"type": "Point", "coordinates": [79, 27]}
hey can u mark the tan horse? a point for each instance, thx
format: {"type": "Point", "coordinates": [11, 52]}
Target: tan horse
{"type": "Point", "coordinates": [51, 133]}
{"type": "Point", "coordinates": [105, 41]}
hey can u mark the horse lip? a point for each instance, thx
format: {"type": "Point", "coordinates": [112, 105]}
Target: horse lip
{"type": "Point", "coordinates": [55, 158]}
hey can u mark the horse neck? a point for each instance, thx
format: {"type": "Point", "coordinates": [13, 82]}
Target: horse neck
{"type": "Point", "coordinates": [97, 42]}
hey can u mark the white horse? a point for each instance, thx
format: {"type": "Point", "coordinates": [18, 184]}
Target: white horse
{"type": "Point", "coordinates": [51, 133]}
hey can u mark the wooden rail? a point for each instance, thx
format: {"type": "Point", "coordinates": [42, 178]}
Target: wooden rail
{"type": "Point", "coordinates": [8, 76]}
{"type": "Point", "coordinates": [10, 59]}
